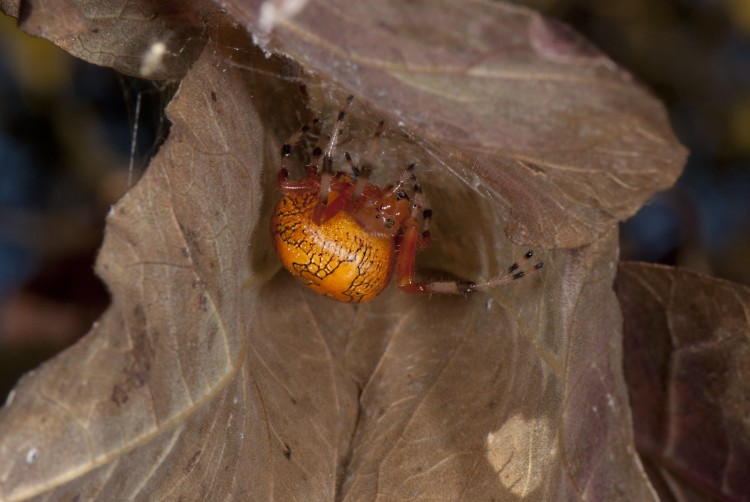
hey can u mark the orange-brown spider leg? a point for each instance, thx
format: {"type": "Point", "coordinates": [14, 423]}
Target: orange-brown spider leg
{"type": "Point", "coordinates": [409, 183]}
{"type": "Point", "coordinates": [286, 186]}
{"type": "Point", "coordinates": [413, 240]}
{"type": "Point", "coordinates": [327, 167]}
{"type": "Point", "coordinates": [415, 237]}
{"type": "Point", "coordinates": [406, 263]}
{"type": "Point", "coordinates": [407, 276]}
{"type": "Point", "coordinates": [324, 185]}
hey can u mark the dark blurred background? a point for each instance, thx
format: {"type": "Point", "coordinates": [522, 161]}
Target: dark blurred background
{"type": "Point", "coordinates": [66, 144]}
{"type": "Point", "coordinates": [66, 137]}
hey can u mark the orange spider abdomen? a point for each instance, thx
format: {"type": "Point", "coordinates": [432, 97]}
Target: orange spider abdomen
{"type": "Point", "coordinates": [337, 258]}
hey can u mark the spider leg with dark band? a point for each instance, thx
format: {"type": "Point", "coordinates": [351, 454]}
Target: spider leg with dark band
{"type": "Point", "coordinates": [344, 237]}
{"type": "Point", "coordinates": [407, 280]}
{"type": "Point", "coordinates": [293, 140]}
{"type": "Point", "coordinates": [414, 240]}
{"type": "Point", "coordinates": [327, 167]}
{"type": "Point", "coordinates": [363, 173]}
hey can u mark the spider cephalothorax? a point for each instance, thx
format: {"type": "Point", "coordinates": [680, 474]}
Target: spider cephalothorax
{"type": "Point", "coordinates": [342, 236]}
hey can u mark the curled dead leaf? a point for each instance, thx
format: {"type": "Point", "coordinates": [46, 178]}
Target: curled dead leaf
{"type": "Point", "coordinates": [567, 143]}
{"type": "Point", "coordinates": [214, 376]}
{"type": "Point", "coordinates": [156, 40]}
{"type": "Point", "coordinates": [687, 352]}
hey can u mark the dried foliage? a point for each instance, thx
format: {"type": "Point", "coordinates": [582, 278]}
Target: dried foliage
{"type": "Point", "coordinates": [214, 376]}
{"type": "Point", "coordinates": [687, 358]}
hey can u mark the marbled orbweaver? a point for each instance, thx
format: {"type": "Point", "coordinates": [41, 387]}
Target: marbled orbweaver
{"type": "Point", "coordinates": [342, 236]}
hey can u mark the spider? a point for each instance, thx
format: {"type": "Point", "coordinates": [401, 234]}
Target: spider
{"type": "Point", "coordinates": [342, 236]}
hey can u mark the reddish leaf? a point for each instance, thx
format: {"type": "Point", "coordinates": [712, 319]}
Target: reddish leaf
{"type": "Point", "coordinates": [687, 357]}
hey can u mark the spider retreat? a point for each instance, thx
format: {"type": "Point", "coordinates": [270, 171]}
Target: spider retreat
{"type": "Point", "coordinates": [342, 236]}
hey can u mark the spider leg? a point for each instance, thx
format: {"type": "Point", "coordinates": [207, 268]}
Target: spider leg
{"type": "Point", "coordinates": [354, 167]}
{"type": "Point", "coordinates": [327, 167]}
{"type": "Point", "coordinates": [293, 140]}
{"type": "Point", "coordinates": [414, 240]}
{"type": "Point", "coordinates": [407, 277]}
{"type": "Point", "coordinates": [512, 273]}
{"type": "Point", "coordinates": [363, 174]}
{"type": "Point", "coordinates": [408, 182]}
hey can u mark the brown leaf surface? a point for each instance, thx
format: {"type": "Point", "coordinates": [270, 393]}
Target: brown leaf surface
{"type": "Point", "coordinates": [144, 38]}
{"type": "Point", "coordinates": [687, 361]}
{"type": "Point", "coordinates": [207, 379]}
{"type": "Point", "coordinates": [565, 140]}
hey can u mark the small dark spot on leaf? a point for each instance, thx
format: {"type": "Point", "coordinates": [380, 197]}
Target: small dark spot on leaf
{"type": "Point", "coordinates": [192, 240]}
{"type": "Point", "coordinates": [213, 96]}
{"type": "Point", "coordinates": [137, 378]}
{"type": "Point", "coordinates": [294, 401]}
{"type": "Point", "coordinates": [191, 463]}
{"type": "Point", "coordinates": [119, 395]}
{"type": "Point", "coordinates": [139, 313]}
{"type": "Point", "coordinates": [287, 451]}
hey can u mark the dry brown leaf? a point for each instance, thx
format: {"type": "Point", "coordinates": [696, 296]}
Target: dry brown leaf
{"type": "Point", "coordinates": [566, 141]}
{"type": "Point", "coordinates": [687, 360]}
{"type": "Point", "coordinates": [156, 40]}
{"type": "Point", "coordinates": [205, 379]}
